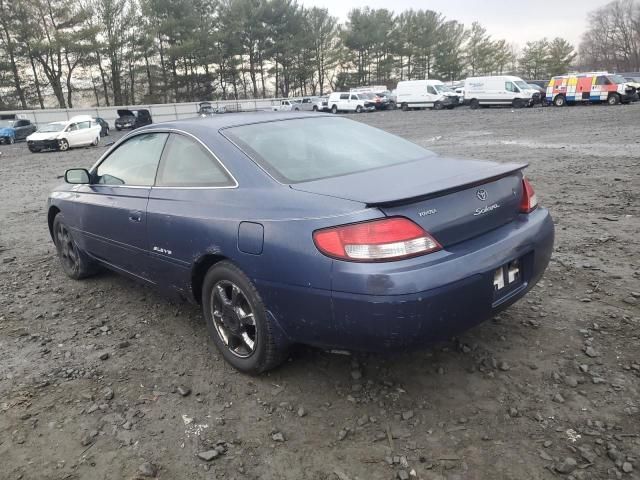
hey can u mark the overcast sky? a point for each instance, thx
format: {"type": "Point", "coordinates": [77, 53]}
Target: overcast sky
{"type": "Point", "coordinates": [514, 21]}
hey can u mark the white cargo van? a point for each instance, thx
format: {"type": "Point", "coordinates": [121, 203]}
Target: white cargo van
{"type": "Point", "coordinates": [349, 102]}
{"type": "Point", "coordinates": [497, 90]}
{"type": "Point", "coordinates": [425, 94]}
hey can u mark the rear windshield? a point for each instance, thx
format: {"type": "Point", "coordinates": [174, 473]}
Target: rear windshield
{"type": "Point", "coordinates": [302, 150]}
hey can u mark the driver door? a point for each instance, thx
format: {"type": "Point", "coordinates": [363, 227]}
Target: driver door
{"type": "Point", "coordinates": [113, 208]}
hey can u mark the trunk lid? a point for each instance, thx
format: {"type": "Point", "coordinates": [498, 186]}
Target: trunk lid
{"type": "Point", "coordinates": [452, 199]}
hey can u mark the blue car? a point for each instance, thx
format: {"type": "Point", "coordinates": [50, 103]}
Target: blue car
{"type": "Point", "coordinates": [305, 228]}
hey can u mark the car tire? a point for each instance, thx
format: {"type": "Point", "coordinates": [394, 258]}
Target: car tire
{"type": "Point", "coordinates": [392, 106]}
{"type": "Point", "coordinates": [474, 104]}
{"type": "Point", "coordinates": [560, 101]}
{"type": "Point", "coordinates": [34, 150]}
{"type": "Point", "coordinates": [118, 128]}
{"type": "Point", "coordinates": [614, 99]}
{"type": "Point", "coordinates": [438, 106]}
{"type": "Point", "coordinates": [518, 103]}
{"type": "Point", "coordinates": [359, 109]}
{"type": "Point", "coordinates": [95, 142]}
{"type": "Point", "coordinates": [334, 109]}
{"type": "Point", "coordinates": [404, 107]}
{"type": "Point", "coordinates": [237, 320]}
{"type": "Point", "coordinates": [11, 140]}
{"type": "Point", "coordinates": [315, 108]}
{"type": "Point", "coordinates": [106, 134]}
{"type": "Point", "coordinates": [63, 145]}
{"type": "Point", "coordinates": [75, 263]}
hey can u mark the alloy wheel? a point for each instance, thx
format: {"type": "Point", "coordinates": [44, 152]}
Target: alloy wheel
{"type": "Point", "coordinates": [233, 318]}
{"type": "Point", "coordinates": [67, 249]}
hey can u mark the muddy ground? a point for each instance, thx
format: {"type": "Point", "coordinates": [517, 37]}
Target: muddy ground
{"type": "Point", "coordinates": [91, 372]}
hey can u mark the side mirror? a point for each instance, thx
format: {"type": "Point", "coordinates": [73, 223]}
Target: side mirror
{"type": "Point", "coordinates": [77, 176]}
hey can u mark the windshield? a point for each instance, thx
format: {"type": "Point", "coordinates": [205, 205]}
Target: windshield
{"type": "Point", "coordinates": [321, 148]}
{"type": "Point", "coordinates": [6, 123]}
{"type": "Point", "coordinates": [443, 89]}
{"type": "Point", "coordinates": [617, 79]}
{"type": "Point", "coordinates": [522, 85]}
{"type": "Point", "coordinates": [52, 127]}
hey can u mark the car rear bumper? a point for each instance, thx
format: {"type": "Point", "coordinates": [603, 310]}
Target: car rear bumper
{"type": "Point", "coordinates": [418, 301]}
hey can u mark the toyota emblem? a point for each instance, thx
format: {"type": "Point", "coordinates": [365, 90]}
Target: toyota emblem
{"type": "Point", "coordinates": [481, 194]}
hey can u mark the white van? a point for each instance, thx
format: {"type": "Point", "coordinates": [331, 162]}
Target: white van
{"type": "Point", "coordinates": [349, 102]}
{"type": "Point", "coordinates": [497, 90]}
{"type": "Point", "coordinates": [425, 94]}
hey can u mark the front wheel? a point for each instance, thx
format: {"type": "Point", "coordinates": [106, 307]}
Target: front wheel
{"type": "Point", "coordinates": [11, 140]}
{"type": "Point", "coordinates": [315, 108]}
{"type": "Point", "coordinates": [75, 263]}
{"type": "Point", "coordinates": [474, 104]}
{"type": "Point", "coordinates": [560, 101]}
{"type": "Point", "coordinates": [237, 320]}
{"type": "Point", "coordinates": [34, 149]}
{"type": "Point", "coordinates": [614, 99]}
{"type": "Point", "coordinates": [95, 142]}
{"type": "Point", "coordinates": [438, 106]}
{"type": "Point", "coordinates": [334, 109]}
{"type": "Point", "coordinates": [405, 107]}
{"type": "Point", "coordinates": [359, 109]}
{"type": "Point", "coordinates": [64, 145]}
{"type": "Point", "coordinates": [518, 103]}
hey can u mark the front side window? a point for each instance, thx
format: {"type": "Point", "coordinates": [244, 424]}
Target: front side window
{"type": "Point", "coordinates": [72, 128]}
{"type": "Point", "coordinates": [186, 163]}
{"type": "Point", "coordinates": [431, 90]}
{"type": "Point", "coordinates": [354, 97]}
{"type": "Point", "coordinates": [344, 96]}
{"type": "Point", "coordinates": [510, 87]}
{"type": "Point", "coordinates": [134, 162]}
{"type": "Point", "coordinates": [302, 150]}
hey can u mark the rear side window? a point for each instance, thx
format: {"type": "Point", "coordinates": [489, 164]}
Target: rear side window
{"type": "Point", "coordinates": [302, 150]}
{"type": "Point", "coordinates": [186, 163]}
{"type": "Point", "coordinates": [84, 125]}
{"type": "Point", "coordinates": [134, 162]}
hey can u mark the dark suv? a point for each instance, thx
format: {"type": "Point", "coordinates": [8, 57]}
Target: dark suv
{"type": "Point", "coordinates": [133, 119]}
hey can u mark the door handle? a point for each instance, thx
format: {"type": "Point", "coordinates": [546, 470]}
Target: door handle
{"type": "Point", "coordinates": [135, 216]}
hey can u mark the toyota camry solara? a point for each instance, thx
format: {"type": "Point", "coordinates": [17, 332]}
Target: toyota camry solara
{"type": "Point", "coordinates": [302, 228]}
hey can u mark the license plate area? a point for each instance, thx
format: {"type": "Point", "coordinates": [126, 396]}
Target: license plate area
{"type": "Point", "coordinates": [507, 278]}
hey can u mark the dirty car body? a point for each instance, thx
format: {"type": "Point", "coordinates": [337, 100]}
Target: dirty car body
{"type": "Point", "coordinates": [366, 254]}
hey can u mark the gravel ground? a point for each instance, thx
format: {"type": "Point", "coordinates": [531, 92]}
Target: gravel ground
{"type": "Point", "coordinates": [104, 379]}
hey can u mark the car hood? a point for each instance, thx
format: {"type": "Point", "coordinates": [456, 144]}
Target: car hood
{"type": "Point", "coordinates": [125, 113]}
{"type": "Point", "coordinates": [420, 178]}
{"type": "Point", "coordinates": [43, 136]}
{"type": "Point", "coordinates": [6, 131]}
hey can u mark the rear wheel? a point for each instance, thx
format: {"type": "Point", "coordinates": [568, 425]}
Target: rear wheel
{"type": "Point", "coordinates": [237, 320]}
{"type": "Point", "coordinates": [75, 263]}
{"type": "Point", "coordinates": [334, 109]}
{"type": "Point", "coordinates": [64, 145]}
{"type": "Point", "coordinates": [560, 101]}
{"type": "Point", "coordinates": [315, 108]}
{"type": "Point", "coordinates": [474, 104]}
{"type": "Point", "coordinates": [614, 99]}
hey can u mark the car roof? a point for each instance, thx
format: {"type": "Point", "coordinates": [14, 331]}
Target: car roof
{"type": "Point", "coordinates": [81, 118]}
{"type": "Point", "coordinates": [225, 120]}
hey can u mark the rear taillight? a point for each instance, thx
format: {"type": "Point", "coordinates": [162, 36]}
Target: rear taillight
{"type": "Point", "coordinates": [378, 240]}
{"type": "Point", "coordinates": [529, 201]}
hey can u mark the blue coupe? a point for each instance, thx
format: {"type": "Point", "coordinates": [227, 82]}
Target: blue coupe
{"type": "Point", "coordinates": [305, 228]}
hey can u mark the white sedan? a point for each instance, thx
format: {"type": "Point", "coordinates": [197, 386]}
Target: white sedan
{"type": "Point", "coordinates": [78, 131]}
